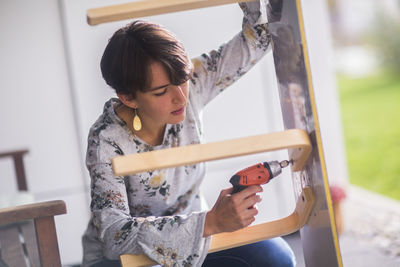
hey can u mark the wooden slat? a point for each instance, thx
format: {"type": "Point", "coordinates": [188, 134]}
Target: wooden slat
{"type": "Point", "coordinates": [129, 260]}
{"type": "Point", "coordinates": [296, 140]}
{"type": "Point", "coordinates": [29, 235]}
{"type": "Point", "coordinates": [31, 211]}
{"type": "Point", "coordinates": [148, 8]}
{"type": "Point", "coordinates": [263, 231]}
{"type": "Point", "coordinates": [47, 242]}
{"type": "Point", "coordinates": [12, 251]}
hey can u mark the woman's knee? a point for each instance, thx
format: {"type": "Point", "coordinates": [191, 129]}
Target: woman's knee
{"type": "Point", "coordinates": [274, 252]}
{"type": "Point", "coordinates": [283, 256]}
{"type": "Point", "coordinates": [288, 260]}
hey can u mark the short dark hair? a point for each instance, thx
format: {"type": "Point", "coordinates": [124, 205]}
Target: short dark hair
{"type": "Point", "coordinates": [125, 64]}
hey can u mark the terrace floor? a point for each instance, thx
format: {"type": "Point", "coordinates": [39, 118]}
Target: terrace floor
{"type": "Point", "coordinates": [371, 236]}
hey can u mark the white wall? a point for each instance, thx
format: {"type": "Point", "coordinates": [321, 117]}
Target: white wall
{"type": "Point", "coordinates": [36, 112]}
{"type": "Point", "coordinates": [49, 100]}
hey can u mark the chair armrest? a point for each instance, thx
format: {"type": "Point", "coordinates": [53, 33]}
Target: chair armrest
{"type": "Point", "coordinates": [32, 211]}
{"type": "Point", "coordinates": [13, 153]}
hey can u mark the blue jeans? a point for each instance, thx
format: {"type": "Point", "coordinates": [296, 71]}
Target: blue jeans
{"type": "Point", "coordinates": [268, 253]}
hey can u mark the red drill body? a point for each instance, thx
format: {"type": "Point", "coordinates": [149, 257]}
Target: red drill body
{"type": "Point", "coordinates": [257, 174]}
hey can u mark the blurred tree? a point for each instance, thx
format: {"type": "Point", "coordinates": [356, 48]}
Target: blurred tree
{"type": "Point", "coordinates": [385, 39]}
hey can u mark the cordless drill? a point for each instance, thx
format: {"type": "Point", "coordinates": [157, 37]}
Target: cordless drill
{"type": "Point", "coordinates": [257, 174]}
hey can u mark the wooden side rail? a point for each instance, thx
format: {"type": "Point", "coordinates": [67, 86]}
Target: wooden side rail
{"type": "Point", "coordinates": [148, 8]}
{"type": "Point", "coordinates": [46, 236]}
{"type": "Point", "coordinates": [248, 235]}
{"type": "Point", "coordinates": [296, 140]}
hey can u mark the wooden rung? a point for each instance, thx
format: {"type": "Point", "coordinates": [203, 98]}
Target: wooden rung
{"type": "Point", "coordinates": [252, 234]}
{"type": "Point", "coordinates": [296, 140]}
{"type": "Point", "coordinates": [267, 230]}
{"type": "Point", "coordinates": [148, 8]}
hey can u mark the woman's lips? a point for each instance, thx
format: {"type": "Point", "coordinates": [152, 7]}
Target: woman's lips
{"type": "Point", "coordinates": [178, 111]}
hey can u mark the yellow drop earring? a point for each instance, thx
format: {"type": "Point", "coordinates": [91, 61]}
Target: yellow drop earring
{"type": "Point", "coordinates": [137, 123]}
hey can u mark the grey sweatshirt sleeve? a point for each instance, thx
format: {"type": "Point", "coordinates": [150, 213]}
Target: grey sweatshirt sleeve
{"type": "Point", "coordinates": [168, 240]}
{"type": "Point", "coordinates": [218, 69]}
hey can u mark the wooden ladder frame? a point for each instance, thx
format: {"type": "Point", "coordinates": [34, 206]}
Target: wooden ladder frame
{"type": "Point", "coordinates": [319, 239]}
{"type": "Point", "coordinates": [296, 140]}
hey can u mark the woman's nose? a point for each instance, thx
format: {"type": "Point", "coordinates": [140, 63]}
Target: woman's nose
{"type": "Point", "coordinates": [180, 94]}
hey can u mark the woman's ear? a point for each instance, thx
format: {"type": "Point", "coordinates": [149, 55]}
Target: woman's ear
{"type": "Point", "coordinates": [128, 100]}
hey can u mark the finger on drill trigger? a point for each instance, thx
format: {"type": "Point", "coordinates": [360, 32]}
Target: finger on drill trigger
{"type": "Point", "coordinates": [251, 190]}
{"type": "Point", "coordinates": [226, 191]}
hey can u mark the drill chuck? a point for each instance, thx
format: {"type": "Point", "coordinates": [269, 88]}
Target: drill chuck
{"type": "Point", "coordinates": [274, 168]}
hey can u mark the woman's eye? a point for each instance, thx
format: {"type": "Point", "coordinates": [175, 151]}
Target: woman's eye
{"type": "Point", "coordinates": [161, 92]}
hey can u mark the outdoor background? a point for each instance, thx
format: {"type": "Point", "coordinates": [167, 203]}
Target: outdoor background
{"type": "Point", "coordinates": [366, 38]}
{"type": "Point", "coordinates": [366, 44]}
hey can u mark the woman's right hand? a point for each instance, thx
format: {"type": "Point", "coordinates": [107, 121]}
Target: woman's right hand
{"type": "Point", "coordinates": [232, 212]}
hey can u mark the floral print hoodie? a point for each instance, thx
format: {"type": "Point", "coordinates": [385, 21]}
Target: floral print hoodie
{"type": "Point", "coordinates": [159, 213]}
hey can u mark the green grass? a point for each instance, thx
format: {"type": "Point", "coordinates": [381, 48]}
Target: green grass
{"type": "Point", "coordinates": [370, 109]}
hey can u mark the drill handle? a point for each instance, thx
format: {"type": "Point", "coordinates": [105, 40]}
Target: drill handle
{"type": "Point", "coordinates": [238, 188]}
{"type": "Point", "coordinates": [235, 183]}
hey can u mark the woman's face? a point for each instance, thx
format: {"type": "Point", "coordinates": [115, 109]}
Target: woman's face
{"type": "Point", "coordinates": [163, 103]}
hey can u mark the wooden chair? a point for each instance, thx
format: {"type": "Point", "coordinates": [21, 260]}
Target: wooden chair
{"type": "Point", "coordinates": [27, 232]}
{"type": "Point", "coordinates": [298, 143]}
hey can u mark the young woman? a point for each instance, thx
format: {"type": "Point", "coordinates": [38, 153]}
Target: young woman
{"type": "Point", "coordinates": [161, 94]}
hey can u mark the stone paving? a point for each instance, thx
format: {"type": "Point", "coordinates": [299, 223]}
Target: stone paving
{"type": "Point", "coordinates": [371, 236]}
{"type": "Point", "coordinates": [373, 218]}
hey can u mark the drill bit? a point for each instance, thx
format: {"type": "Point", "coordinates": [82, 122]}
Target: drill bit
{"type": "Point", "coordinates": [285, 163]}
